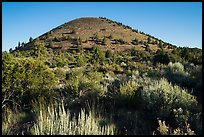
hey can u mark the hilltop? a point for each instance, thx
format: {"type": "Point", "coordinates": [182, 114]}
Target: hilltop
{"type": "Point", "coordinates": [102, 31]}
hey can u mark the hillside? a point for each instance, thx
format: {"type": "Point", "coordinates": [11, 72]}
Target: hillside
{"type": "Point", "coordinates": [85, 33]}
{"type": "Point", "coordinates": [95, 76]}
{"type": "Point", "coordinates": [89, 31]}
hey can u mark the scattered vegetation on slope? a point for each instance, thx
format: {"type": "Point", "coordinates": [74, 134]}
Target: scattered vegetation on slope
{"type": "Point", "coordinates": [101, 77]}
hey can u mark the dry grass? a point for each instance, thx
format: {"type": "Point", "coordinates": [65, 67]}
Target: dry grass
{"type": "Point", "coordinates": [55, 120]}
{"type": "Point", "coordinates": [10, 120]}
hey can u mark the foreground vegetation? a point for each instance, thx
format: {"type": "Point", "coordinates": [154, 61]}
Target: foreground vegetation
{"type": "Point", "coordinates": [100, 98]}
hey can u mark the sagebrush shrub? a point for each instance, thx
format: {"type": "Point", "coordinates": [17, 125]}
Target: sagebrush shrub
{"type": "Point", "coordinates": [176, 73]}
{"type": "Point", "coordinates": [176, 67]}
{"type": "Point", "coordinates": [163, 97]}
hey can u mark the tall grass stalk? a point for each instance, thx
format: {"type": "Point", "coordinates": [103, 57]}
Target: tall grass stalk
{"type": "Point", "coordinates": [57, 121]}
{"type": "Point", "coordinates": [10, 119]}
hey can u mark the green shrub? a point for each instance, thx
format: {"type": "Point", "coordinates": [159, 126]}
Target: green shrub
{"type": "Point", "coordinates": [135, 42]}
{"type": "Point", "coordinates": [24, 77]}
{"type": "Point", "coordinates": [161, 57]}
{"type": "Point", "coordinates": [108, 54]}
{"type": "Point", "coordinates": [98, 55]}
{"type": "Point", "coordinates": [104, 41]}
{"type": "Point", "coordinates": [51, 44]}
{"type": "Point", "coordinates": [30, 39]}
{"type": "Point", "coordinates": [81, 60]}
{"type": "Point", "coordinates": [81, 83]}
{"type": "Point", "coordinates": [80, 48]}
{"type": "Point", "coordinates": [128, 88]}
{"type": "Point", "coordinates": [60, 73]}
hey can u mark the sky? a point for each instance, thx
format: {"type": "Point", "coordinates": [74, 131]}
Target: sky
{"type": "Point", "coordinates": [178, 23]}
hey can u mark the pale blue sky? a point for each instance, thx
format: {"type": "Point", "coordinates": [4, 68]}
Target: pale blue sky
{"type": "Point", "coordinates": [178, 23]}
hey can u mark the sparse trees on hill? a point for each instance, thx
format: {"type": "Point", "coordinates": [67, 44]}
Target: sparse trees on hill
{"type": "Point", "coordinates": [160, 45]}
{"type": "Point", "coordinates": [19, 44]}
{"type": "Point", "coordinates": [161, 57]}
{"type": "Point", "coordinates": [73, 32]}
{"type": "Point", "coordinates": [109, 54]}
{"type": "Point", "coordinates": [81, 60]}
{"type": "Point", "coordinates": [147, 48]}
{"type": "Point", "coordinates": [135, 30]}
{"type": "Point", "coordinates": [79, 41]}
{"type": "Point", "coordinates": [193, 55]}
{"type": "Point", "coordinates": [59, 60]}
{"type": "Point", "coordinates": [164, 45]}
{"type": "Point", "coordinates": [98, 55]}
{"type": "Point", "coordinates": [135, 42]}
{"type": "Point", "coordinates": [51, 45]}
{"type": "Point", "coordinates": [47, 35]}
{"type": "Point", "coordinates": [30, 39]}
{"type": "Point", "coordinates": [95, 37]}
{"type": "Point", "coordinates": [148, 40]}
{"type": "Point", "coordinates": [104, 41]}
{"type": "Point", "coordinates": [10, 50]}
{"type": "Point", "coordinates": [110, 36]}
{"type": "Point", "coordinates": [80, 48]}
{"type": "Point", "coordinates": [120, 41]}
{"type": "Point", "coordinates": [22, 44]}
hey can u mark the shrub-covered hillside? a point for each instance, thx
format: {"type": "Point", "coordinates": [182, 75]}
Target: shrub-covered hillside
{"type": "Point", "coordinates": [95, 76]}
